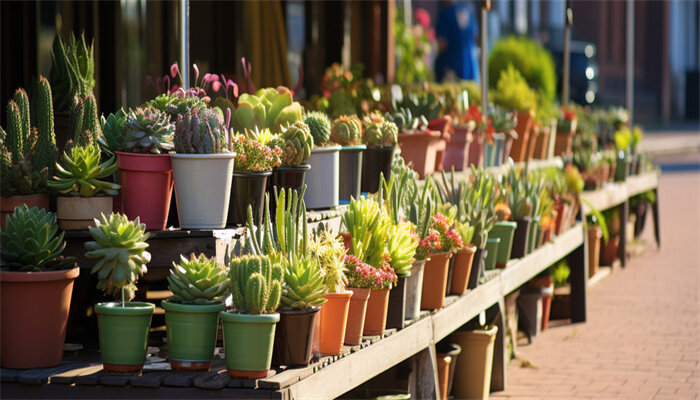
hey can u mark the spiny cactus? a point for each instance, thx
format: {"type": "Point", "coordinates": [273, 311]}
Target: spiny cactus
{"type": "Point", "coordinates": [320, 127]}
{"type": "Point", "coordinates": [347, 130]}
{"type": "Point", "coordinates": [72, 70]}
{"type": "Point", "coordinates": [15, 133]}
{"type": "Point", "coordinates": [46, 152]}
{"type": "Point", "coordinates": [380, 132]}
{"type": "Point", "coordinates": [298, 143]}
{"type": "Point", "coordinates": [148, 130]}
{"type": "Point", "coordinates": [256, 284]}
{"type": "Point", "coordinates": [119, 245]}
{"type": "Point", "coordinates": [200, 131]}
{"type": "Point", "coordinates": [31, 242]}
{"type": "Point", "coordinates": [83, 174]}
{"type": "Point", "coordinates": [22, 100]}
{"type": "Point", "coordinates": [197, 280]}
{"type": "Point", "coordinates": [86, 126]}
{"type": "Point", "coordinates": [303, 282]}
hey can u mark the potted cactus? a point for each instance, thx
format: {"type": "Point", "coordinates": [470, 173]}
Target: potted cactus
{"type": "Point", "coordinates": [36, 284]}
{"type": "Point", "coordinates": [256, 155]}
{"type": "Point", "coordinates": [119, 246]}
{"type": "Point", "coordinates": [361, 279]}
{"type": "Point", "coordinates": [463, 259]}
{"type": "Point", "coordinates": [401, 245]}
{"type": "Point", "coordinates": [504, 230]}
{"type": "Point", "coordinates": [141, 139]}
{"type": "Point", "coordinates": [192, 314]}
{"type": "Point", "coordinates": [303, 294]}
{"type": "Point", "coordinates": [380, 137]}
{"type": "Point", "coordinates": [514, 93]}
{"type": "Point", "coordinates": [203, 169]}
{"type": "Point", "coordinates": [347, 132]}
{"type": "Point", "coordinates": [323, 178]}
{"type": "Point", "coordinates": [517, 189]}
{"type": "Point", "coordinates": [81, 181]}
{"type": "Point", "coordinates": [443, 241]}
{"type": "Point", "coordinates": [479, 211]}
{"type": "Point", "coordinates": [249, 328]}
{"type": "Point", "coordinates": [25, 168]}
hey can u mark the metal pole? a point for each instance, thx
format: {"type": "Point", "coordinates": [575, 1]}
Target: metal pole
{"type": "Point", "coordinates": [568, 18]}
{"type": "Point", "coordinates": [484, 75]}
{"type": "Point", "coordinates": [185, 43]}
{"type": "Point", "coordinates": [630, 60]}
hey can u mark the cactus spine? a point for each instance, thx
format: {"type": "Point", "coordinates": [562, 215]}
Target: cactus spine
{"type": "Point", "coordinates": [22, 100]}
{"type": "Point", "coordinates": [200, 131]}
{"type": "Point", "coordinates": [347, 130]}
{"type": "Point", "coordinates": [256, 284]}
{"type": "Point", "coordinates": [46, 153]}
{"type": "Point", "coordinates": [320, 127]}
{"type": "Point", "coordinates": [86, 125]}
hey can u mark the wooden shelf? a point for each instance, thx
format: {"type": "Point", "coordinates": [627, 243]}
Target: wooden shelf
{"type": "Point", "coordinates": [613, 194]}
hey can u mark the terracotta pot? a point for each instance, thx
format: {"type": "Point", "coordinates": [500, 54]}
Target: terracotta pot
{"type": "Point", "coordinates": [396, 313]}
{"type": "Point", "coordinates": [520, 238]}
{"type": "Point", "coordinates": [444, 126]}
{"type": "Point", "coordinates": [414, 290]}
{"type": "Point", "coordinates": [560, 222]}
{"type": "Point", "coordinates": [443, 370]}
{"type": "Point", "coordinates": [76, 213]}
{"type": "Point", "coordinates": [347, 239]}
{"type": "Point", "coordinates": [334, 317]}
{"type": "Point", "coordinates": [453, 350]}
{"type": "Point", "coordinates": [294, 337]}
{"type": "Point", "coordinates": [377, 305]}
{"type": "Point", "coordinates": [435, 281]}
{"type": "Point", "coordinates": [147, 186]}
{"type": "Point", "coordinates": [608, 251]}
{"type": "Point", "coordinates": [595, 233]}
{"type": "Point", "coordinates": [8, 204]}
{"type": "Point", "coordinates": [356, 316]}
{"type": "Point", "coordinates": [546, 234]}
{"type": "Point", "coordinates": [519, 149]}
{"type": "Point", "coordinates": [564, 140]}
{"type": "Point", "coordinates": [545, 283]}
{"type": "Point", "coordinates": [462, 268]}
{"type": "Point", "coordinates": [542, 143]}
{"type": "Point", "coordinates": [534, 135]}
{"type": "Point", "coordinates": [476, 151]}
{"type": "Point", "coordinates": [419, 150]}
{"type": "Point", "coordinates": [376, 160]}
{"type": "Point", "coordinates": [457, 151]}
{"type": "Point", "coordinates": [546, 311]}
{"type": "Point", "coordinates": [34, 316]}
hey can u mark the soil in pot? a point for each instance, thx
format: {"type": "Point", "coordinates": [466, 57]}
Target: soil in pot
{"type": "Point", "coordinates": [396, 314]}
{"type": "Point", "coordinates": [78, 213]}
{"type": "Point", "coordinates": [247, 188]}
{"type": "Point", "coordinates": [473, 371]}
{"type": "Point", "coordinates": [350, 172]}
{"type": "Point", "coordinates": [376, 160]}
{"type": "Point", "coordinates": [248, 343]}
{"type": "Point", "coordinates": [147, 185]}
{"type": "Point", "coordinates": [192, 330]}
{"type": "Point", "coordinates": [334, 317]}
{"type": "Point", "coordinates": [34, 317]}
{"type": "Point", "coordinates": [443, 370]}
{"type": "Point", "coordinates": [520, 237]}
{"type": "Point", "coordinates": [595, 234]}
{"type": "Point", "coordinates": [377, 306]}
{"type": "Point", "coordinates": [323, 178]}
{"type": "Point", "coordinates": [8, 204]}
{"type": "Point", "coordinates": [477, 268]}
{"type": "Point", "coordinates": [356, 316]}
{"type": "Point", "coordinates": [124, 334]}
{"type": "Point", "coordinates": [435, 281]}
{"type": "Point", "coordinates": [504, 230]}
{"type": "Point", "coordinates": [294, 337]}
{"type": "Point", "coordinates": [462, 269]}
{"type": "Point", "coordinates": [414, 289]}
{"type": "Point", "coordinates": [492, 245]}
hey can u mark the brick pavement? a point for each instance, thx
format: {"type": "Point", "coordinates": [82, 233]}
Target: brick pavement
{"type": "Point", "coordinates": [642, 337]}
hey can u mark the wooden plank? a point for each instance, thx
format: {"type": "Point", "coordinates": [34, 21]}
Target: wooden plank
{"type": "Point", "coordinates": [641, 183]}
{"type": "Point", "coordinates": [213, 380]}
{"type": "Point", "coordinates": [608, 196]}
{"type": "Point", "coordinates": [41, 376]}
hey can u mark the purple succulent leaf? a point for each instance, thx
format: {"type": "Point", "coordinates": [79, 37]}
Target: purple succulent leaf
{"type": "Point", "coordinates": [174, 69]}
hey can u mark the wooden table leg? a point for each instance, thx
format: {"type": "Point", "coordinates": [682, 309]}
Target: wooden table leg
{"type": "Point", "coordinates": [624, 217]}
{"type": "Point", "coordinates": [655, 214]}
{"type": "Point", "coordinates": [497, 314]}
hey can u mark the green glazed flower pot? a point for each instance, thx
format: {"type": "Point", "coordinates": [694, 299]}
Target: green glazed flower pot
{"type": "Point", "coordinates": [492, 245]}
{"type": "Point", "coordinates": [532, 235]}
{"type": "Point", "coordinates": [248, 342]}
{"type": "Point", "coordinates": [504, 230]}
{"type": "Point", "coordinates": [191, 334]}
{"type": "Point", "coordinates": [124, 334]}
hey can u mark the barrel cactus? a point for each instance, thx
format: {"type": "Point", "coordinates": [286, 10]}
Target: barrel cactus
{"type": "Point", "coordinates": [347, 130]}
{"type": "Point", "coordinates": [298, 143]}
{"type": "Point", "coordinates": [148, 130]}
{"type": "Point", "coordinates": [256, 284]}
{"type": "Point", "coordinates": [83, 174]}
{"type": "Point", "coordinates": [200, 131]}
{"type": "Point", "coordinates": [380, 132]}
{"type": "Point", "coordinates": [119, 245]}
{"type": "Point", "coordinates": [320, 127]}
{"type": "Point", "coordinates": [31, 242]}
{"type": "Point", "coordinates": [303, 282]}
{"type": "Point", "coordinates": [197, 280]}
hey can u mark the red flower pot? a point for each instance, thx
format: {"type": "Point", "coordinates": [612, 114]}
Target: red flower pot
{"type": "Point", "coordinates": [476, 151]}
{"type": "Point", "coordinates": [8, 204]}
{"type": "Point", "coordinates": [519, 149]}
{"type": "Point", "coordinates": [147, 186]}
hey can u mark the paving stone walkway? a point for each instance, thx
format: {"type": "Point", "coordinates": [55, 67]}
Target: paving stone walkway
{"type": "Point", "coordinates": [642, 337]}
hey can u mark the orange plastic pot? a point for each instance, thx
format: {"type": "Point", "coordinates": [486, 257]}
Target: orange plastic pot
{"type": "Point", "coordinates": [8, 204]}
{"type": "Point", "coordinates": [542, 143]}
{"type": "Point", "coordinates": [347, 239]}
{"type": "Point", "coordinates": [356, 316]}
{"type": "Point", "coordinates": [595, 233]}
{"type": "Point", "coordinates": [420, 150]}
{"type": "Point", "coordinates": [457, 151]}
{"type": "Point", "coordinates": [518, 151]}
{"type": "Point", "coordinates": [334, 317]}
{"type": "Point", "coordinates": [147, 186]}
{"type": "Point", "coordinates": [564, 140]}
{"type": "Point", "coordinates": [435, 281]}
{"type": "Point", "coordinates": [377, 305]}
{"type": "Point", "coordinates": [476, 151]}
{"type": "Point", "coordinates": [34, 316]}
{"type": "Point", "coordinates": [462, 268]}
{"type": "Point", "coordinates": [443, 370]}
{"type": "Point", "coordinates": [609, 251]}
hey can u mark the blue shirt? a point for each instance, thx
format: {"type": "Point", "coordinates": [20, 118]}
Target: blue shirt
{"type": "Point", "coordinates": [458, 27]}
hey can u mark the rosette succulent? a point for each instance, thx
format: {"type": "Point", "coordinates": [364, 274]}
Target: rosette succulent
{"type": "Point", "coordinates": [119, 245]}
{"type": "Point", "coordinates": [298, 143]}
{"type": "Point", "coordinates": [347, 130]}
{"type": "Point", "coordinates": [147, 130]}
{"type": "Point", "coordinates": [256, 284]}
{"type": "Point", "coordinates": [31, 242]}
{"type": "Point", "coordinates": [82, 173]}
{"type": "Point", "coordinates": [303, 282]}
{"type": "Point", "coordinates": [177, 103]}
{"type": "Point", "coordinates": [197, 280]}
{"type": "Point", "coordinates": [200, 131]}
{"type": "Point", "coordinates": [320, 127]}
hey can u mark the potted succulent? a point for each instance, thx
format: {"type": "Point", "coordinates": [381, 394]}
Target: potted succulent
{"type": "Point", "coordinates": [202, 168]}
{"type": "Point", "coordinates": [141, 139]}
{"type": "Point", "coordinates": [463, 259]}
{"type": "Point", "coordinates": [36, 283]}
{"type": "Point", "coordinates": [442, 241]}
{"type": "Point", "coordinates": [249, 328]}
{"type": "Point", "coordinates": [401, 245]}
{"type": "Point", "coordinates": [566, 128]}
{"type": "Point", "coordinates": [254, 162]}
{"type": "Point", "coordinates": [324, 175]}
{"type": "Point", "coordinates": [303, 294]}
{"type": "Point", "coordinates": [192, 314]}
{"type": "Point", "coordinates": [361, 279]}
{"type": "Point", "coordinates": [347, 132]}
{"type": "Point", "coordinates": [479, 211]}
{"type": "Point", "coordinates": [24, 169]}
{"type": "Point", "coordinates": [512, 92]}
{"type": "Point", "coordinates": [504, 229]}
{"type": "Point", "coordinates": [499, 136]}
{"type": "Point", "coordinates": [378, 303]}
{"type": "Point", "coordinates": [517, 189]}
{"type": "Point", "coordinates": [82, 179]}
{"type": "Point", "coordinates": [119, 246]}
{"type": "Point", "coordinates": [380, 137]}
{"type": "Point", "coordinates": [457, 151]}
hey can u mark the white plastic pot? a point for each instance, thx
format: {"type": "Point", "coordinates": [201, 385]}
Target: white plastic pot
{"type": "Point", "coordinates": [202, 189]}
{"type": "Point", "coordinates": [75, 213]}
{"type": "Point", "coordinates": [323, 179]}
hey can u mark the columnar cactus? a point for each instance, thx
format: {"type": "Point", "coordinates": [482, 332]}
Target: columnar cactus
{"type": "Point", "coordinates": [197, 280]}
{"type": "Point", "coordinates": [347, 130]}
{"type": "Point", "coordinates": [15, 134]}
{"type": "Point", "coordinates": [256, 284]}
{"type": "Point", "coordinates": [46, 152]}
{"type": "Point", "coordinates": [320, 127]}
{"type": "Point", "coordinates": [200, 131]}
{"type": "Point", "coordinates": [72, 70]}
{"type": "Point", "coordinates": [86, 125]}
{"type": "Point", "coordinates": [298, 143]}
{"type": "Point", "coordinates": [22, 100]}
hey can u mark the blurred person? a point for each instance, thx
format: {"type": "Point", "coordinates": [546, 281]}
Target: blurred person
{"type": "Point", "coordinates": [456, 32]}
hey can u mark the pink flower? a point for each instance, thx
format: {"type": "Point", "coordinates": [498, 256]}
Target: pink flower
{"type": "Point", "coordinates": [422, 17]}
{"type": "Point", "coordinates": [216, 86]}
{"type": "Point", "coordinates": [174, 69]}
